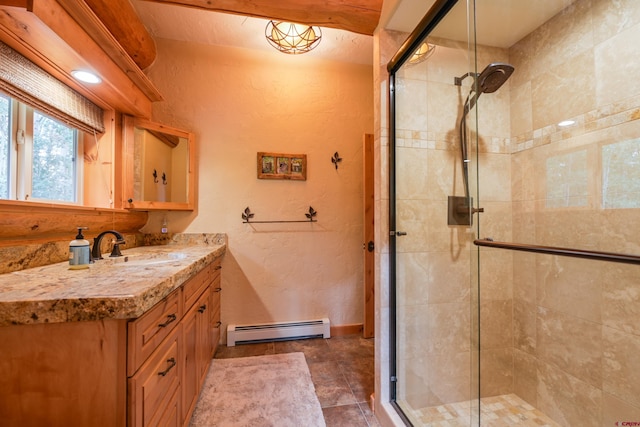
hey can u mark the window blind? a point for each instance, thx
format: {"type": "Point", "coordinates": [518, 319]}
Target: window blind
{"type": "Point", "coordinates": [25, 81]}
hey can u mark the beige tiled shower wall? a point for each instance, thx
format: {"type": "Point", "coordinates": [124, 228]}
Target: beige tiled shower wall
{"type": "Point", "coordinates": [577, 322]}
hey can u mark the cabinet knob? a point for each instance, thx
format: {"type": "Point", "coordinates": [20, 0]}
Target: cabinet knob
{"type": "Point", "coordinates": [202, 308]}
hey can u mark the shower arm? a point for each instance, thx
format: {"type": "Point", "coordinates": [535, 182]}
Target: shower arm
{"type": "Point", "coordinates": [458, 80]}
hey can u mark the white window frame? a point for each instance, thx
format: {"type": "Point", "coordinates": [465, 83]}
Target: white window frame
{"type": "Point", "coordinates": [21, 156]}
{"type": "Point", "coordinates": [13, 105]}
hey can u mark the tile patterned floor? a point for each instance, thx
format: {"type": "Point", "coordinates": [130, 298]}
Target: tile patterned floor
{"type": "Point", "coordinates": [343, 374]}
{"type": "Point", "coordinates": [497, 411]}
{"type": "Point", "coordinates": [341, 369]}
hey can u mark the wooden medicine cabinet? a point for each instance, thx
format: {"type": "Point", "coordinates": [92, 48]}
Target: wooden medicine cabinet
{"type": "Point", "coordinates": [158, 166]}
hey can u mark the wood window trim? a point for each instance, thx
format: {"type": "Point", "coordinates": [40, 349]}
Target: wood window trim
{"type": "Point", "coordinates": [24, 221]}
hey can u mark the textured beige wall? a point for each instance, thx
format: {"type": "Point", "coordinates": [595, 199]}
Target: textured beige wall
{"type": "Point", "coordinates": [239, 102]}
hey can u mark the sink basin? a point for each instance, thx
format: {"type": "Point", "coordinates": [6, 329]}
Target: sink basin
{"type": "Point", "coordinates": [146, 259]}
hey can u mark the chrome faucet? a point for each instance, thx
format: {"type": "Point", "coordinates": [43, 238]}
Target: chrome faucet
{"type": "Point", "coordinates": [95, 252]}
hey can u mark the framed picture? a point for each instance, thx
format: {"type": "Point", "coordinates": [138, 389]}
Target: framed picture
{"type": "Point", "coordinates": [282, 166]}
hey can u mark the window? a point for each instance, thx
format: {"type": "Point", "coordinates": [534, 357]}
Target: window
{"type": "Point", "coordinates": [39, 156]}
{"type": "Point", "coordinates": [5, 105]}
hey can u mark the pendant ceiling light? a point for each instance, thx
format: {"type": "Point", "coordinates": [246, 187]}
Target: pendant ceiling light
{"type": "Point", "coordinates": [422, 53]}
{"type": "Point", "coordinates": [292, 38]}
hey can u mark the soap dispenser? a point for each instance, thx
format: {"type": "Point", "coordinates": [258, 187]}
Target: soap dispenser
{"type": "Point", "coordinates": [79, 252]}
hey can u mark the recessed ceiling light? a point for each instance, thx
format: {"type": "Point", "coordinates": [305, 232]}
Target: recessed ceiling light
{"type": "Point", "coordinates": [565, 123]}
{"type": "Point", "coordinates": [86, 76]}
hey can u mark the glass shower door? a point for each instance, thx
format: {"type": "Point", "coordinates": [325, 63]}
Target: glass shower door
{"type": "Point", "coordinates": [538, 317]}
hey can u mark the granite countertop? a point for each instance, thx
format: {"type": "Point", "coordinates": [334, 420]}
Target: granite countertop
{"type": "Point", "coordinates": [115, 288]}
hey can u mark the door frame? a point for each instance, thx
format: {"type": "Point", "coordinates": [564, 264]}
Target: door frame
{"type": "Point", "coordinates": [368, 328]}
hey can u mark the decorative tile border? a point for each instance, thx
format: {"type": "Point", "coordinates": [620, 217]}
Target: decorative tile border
{"type": "Point", "coordinates": [604, 117]}
{"type": "Point", "coordinates": [601, 118]}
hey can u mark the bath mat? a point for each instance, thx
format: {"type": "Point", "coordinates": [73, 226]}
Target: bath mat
{"type": "Point", "coordinates": [260, 391]}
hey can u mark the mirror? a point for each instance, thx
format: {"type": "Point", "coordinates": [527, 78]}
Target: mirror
{"type": "Point", "coordinates": [158, 166]}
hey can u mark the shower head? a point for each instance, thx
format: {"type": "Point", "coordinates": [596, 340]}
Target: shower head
{"type": "Point", "coordinates": [488, 81]}
{"type": "Point", "coordinates": [493, 77]}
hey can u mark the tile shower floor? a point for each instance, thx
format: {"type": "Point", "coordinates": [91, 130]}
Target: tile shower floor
{"type": "Point", "coordinates": [497, 411]}
{"type": "Point", "coordinates": [342, 371]}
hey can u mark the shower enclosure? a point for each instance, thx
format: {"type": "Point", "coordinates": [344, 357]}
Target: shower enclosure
{"type": "Point", "coordinates": [514, 250]}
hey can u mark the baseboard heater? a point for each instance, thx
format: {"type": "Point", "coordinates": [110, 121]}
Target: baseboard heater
{"type": "Point", "coordinates": [239, 334]}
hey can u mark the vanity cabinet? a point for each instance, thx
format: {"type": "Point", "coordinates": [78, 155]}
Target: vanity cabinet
{"type": "Point", "coordinates": [114, 372]}
{"type": "Point", "coordinates": [169, 352]}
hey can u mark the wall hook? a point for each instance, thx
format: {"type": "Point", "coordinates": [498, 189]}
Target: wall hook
{"type": "Point", "coordinates": [155, 176]}
{"type": "Point", "coordinates": [164, 178]}
{"type": "Point", "coordinates": [336, 159]}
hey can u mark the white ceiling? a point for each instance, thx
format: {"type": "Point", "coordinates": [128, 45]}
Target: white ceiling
{"type": "Point", "coordinates": [501, 24]}
{"type": "Point", "coordinates": [207, 27]}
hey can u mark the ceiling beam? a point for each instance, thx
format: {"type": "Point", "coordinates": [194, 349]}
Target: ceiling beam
{"type": "Point", "coordinates": [358, 16]}
{"type": "Point", "coordinates": [123, 22]}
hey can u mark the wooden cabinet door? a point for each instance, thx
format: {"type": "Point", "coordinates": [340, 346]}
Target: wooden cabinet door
{"type": "Point", "coordinates": [63, 374]}
{"type": "Point", "coordinates": [190, 381]}
{"type": "Point", "coordinates": [214, 313]}
{"type": "Point", "coordinates": [196, 351]}
{"type": "Point", "coordinates": [170, 415]}
{"type": "Point", "coordinates": [203, 355]}
{"type": "Point", "coordinates": [154, 391]}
